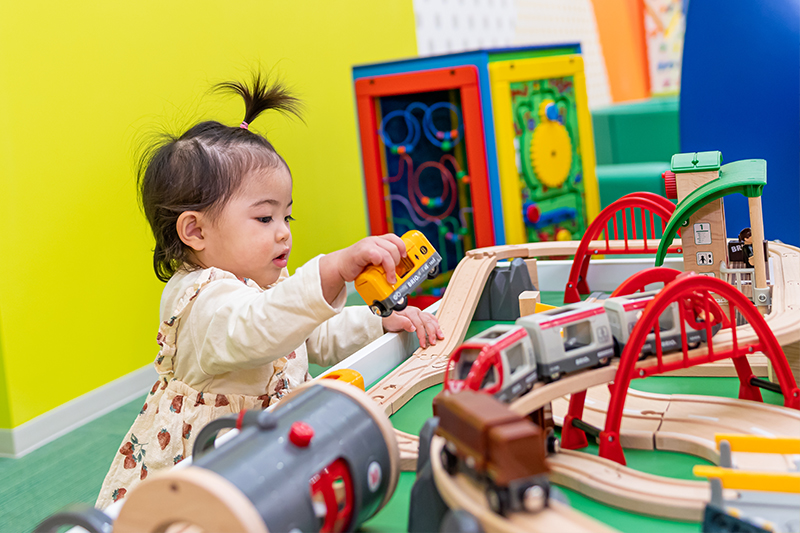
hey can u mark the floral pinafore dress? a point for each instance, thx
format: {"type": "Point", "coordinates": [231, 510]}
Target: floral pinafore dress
{"type": "Point", "coordinates": [164, 430]}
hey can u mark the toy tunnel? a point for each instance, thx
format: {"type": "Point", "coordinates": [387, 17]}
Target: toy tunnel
{"type": "Point", "coordinates": [326, 459]}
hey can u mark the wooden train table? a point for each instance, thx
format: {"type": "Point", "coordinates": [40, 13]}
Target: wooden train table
{"type": "Point", "coordinates": [410, 417]}
{"type": "Point", "coordinates": [663, 416]}
{"type": "Point", "coordinates": [610, 486]}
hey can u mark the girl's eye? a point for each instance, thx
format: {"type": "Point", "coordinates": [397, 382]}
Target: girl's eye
{"type": "Point", "coordinates": [290, 218]}
{"type": "Point", "coordinates": [265, 220]}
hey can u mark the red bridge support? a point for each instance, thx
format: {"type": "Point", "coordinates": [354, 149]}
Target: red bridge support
{"type": "Point", "coordinates": [649, 205]}
{"type": "Point", "coordinates": [693, 294]}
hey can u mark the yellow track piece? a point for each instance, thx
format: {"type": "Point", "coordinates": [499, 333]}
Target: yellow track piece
{"type": "Point", "coordinates": [748, 480]}
{"type": "Point", "coordinates": [758, 444]}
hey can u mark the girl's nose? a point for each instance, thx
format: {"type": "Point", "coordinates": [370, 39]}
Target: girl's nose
{"type": "Point", "coordinates": [284, 232]}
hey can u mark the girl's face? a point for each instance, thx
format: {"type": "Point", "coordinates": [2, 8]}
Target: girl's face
{"type": "Point", "coordinates": [251, 236]}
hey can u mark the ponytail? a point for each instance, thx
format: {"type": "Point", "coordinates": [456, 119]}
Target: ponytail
{"type": "Point", "coordinates": [261, 96]}
{"type": "Point", "coordinates": [202, 168]}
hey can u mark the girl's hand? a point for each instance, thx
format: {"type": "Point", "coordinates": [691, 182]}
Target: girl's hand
{"type": "Point", "coordinates": [412, 319]}
{"type": "Point", "coordinates": [344, 265]}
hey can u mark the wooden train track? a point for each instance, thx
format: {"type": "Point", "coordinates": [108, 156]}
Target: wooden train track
{"type": "Point", "coordinates": [687, 423]}
{"type": "Point", "coordinates": [647, 425]}
{"type": "Point", "coordinates": [461, 492]}
{"type": "Point", "coordinates": [425, 367]}
{"type": "Point", "coordinates": [625, 488]}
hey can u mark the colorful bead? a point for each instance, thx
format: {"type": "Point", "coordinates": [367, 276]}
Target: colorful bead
{"type": "Point", "coordinates": [563, 235]}
{"type": "Point", "coordinates": [532, 213]}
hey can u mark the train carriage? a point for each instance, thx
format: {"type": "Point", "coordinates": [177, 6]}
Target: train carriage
{"type": "Point", "coordinates": [420, 263]}
{"type": "Point", "coordinates": [502, 449]}
{"type": "Point", "coordinates": [499, 361]}
{"type": "Point", "coordinates": [569, 338]}
{"type": "Point", "coordinates": [624, 312]}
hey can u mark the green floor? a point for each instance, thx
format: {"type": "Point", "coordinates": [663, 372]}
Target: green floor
{"type": "Point", "coordinates": [68, 470]}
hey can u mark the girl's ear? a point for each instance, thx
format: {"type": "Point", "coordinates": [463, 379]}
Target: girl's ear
{"type": "Point", "coordinates": [190, 229]}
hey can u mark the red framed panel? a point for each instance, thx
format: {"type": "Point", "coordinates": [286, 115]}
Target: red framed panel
{"type": "Point", "coordinates": [465, 80]}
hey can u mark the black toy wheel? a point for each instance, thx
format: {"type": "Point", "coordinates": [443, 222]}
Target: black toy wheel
{"type": "Point", "coordinates": [432, 273]}
{"type": "Point", "coordinates": [449, 462]}
{"type": "Point", "coordinates": [379, 309]}
{"type": "Point", "coordinates": [402, 304]}
{"type": "Point", "coordinates": [498, 499]}
{"type": "Point", "coordinates": [553, 444]}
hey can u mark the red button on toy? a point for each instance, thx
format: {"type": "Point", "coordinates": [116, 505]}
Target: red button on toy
{"type": "Point", "coordinates": [300, 434]}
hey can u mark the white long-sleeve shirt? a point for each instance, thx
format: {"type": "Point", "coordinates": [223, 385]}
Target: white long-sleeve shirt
{"type": "Point", "coordinates": [234, 331]}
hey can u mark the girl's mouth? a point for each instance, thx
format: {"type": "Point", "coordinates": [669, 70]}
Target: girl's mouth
{"type": "Point", "coordinates": [281, 260]}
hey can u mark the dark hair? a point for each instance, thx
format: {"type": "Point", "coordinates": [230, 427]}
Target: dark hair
{"type": "Point", "coordinates": [746, 233]}
{"type": "Point", "coordinates": [203, 168]}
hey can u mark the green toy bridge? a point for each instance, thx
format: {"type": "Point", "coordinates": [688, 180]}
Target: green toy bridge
{"type": "Point", "coordinates": [747, 177]}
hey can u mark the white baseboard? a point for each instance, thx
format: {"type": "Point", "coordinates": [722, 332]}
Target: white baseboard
{"type": "Point", "coordinates": [49, 426]}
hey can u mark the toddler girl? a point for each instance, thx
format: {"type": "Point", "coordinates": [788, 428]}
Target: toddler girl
{"type": "Point", "coordinates": [236, 330]}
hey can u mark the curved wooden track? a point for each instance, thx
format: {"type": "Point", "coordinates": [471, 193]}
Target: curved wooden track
{"type": "Point", "coordinates": [619, 486]}
{"type": "Point", "coordinates": [426, 367]}
{"type": "Point", "coordinates": [687, 423]}
{"type": "Point", "coordinates": [461, 492]}
{"type": "Point", "coordinates": [680, 423]}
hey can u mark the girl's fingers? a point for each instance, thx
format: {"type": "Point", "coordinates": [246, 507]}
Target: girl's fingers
{"type": "Point", "coordinates": [397, 242]}
{"type": "Point", "coordinates": [423, 334]}
{"type": "Point", "coordinates": [391, 248]}
{"type": "Point", "coordinates": [380, 256]}
{"type": "Point", "coordinates": [431, 327]}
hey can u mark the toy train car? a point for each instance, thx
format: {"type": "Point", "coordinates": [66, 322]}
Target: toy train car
{"type": "Point", "coordinates": [421, 263]}
{"type": "Point", "coordinates": [569, 338]}
{"type": "Point", "coordinates": [624, 311]}
{"type": "Point", "coordinates": [500, 448]}
{"type": "Point", "coordinates": [507, 370]}
{"type": "Point", "coordinates": [507, 360]}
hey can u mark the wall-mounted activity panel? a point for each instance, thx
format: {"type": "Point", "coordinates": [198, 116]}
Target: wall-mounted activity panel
{"type": "Point", "coordinates": [425, 158]}
{"type": "Point", "coordinates": [545, 148]}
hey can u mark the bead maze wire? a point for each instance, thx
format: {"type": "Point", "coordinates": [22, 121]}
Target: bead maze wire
{"type": "Point", "coordinates": [427, 183]}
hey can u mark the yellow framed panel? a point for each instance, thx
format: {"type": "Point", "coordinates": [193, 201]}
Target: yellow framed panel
{"type": "Point", "coordinates": [502, 74]}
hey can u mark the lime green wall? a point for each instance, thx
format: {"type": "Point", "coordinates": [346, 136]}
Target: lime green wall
{"type": "Point", "coordinates": [5, 412]}
{"type": "Point", "coordinates": [79, 84]}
